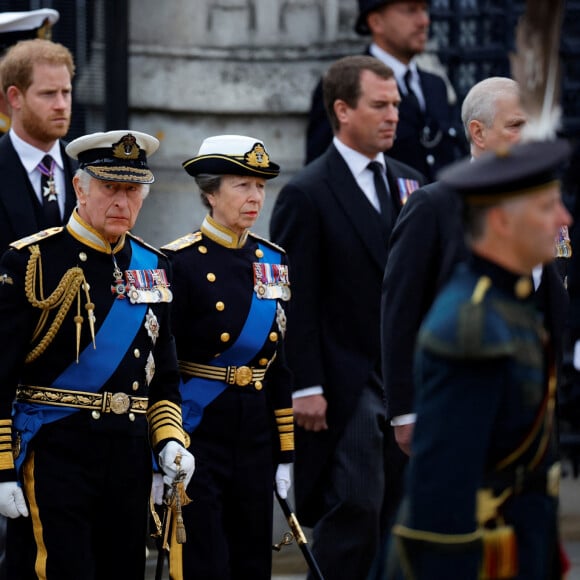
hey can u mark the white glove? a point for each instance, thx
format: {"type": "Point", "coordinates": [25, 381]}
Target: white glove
{"type": "Point", "coordinates": [167, 462]}
{"type": "Point", "coordinates": [157, 489]}
{"type": "Point", "coordinates": [576, 359]}
{"type": "Point", "coordinates": [12, 503]}
{"type": "Point", "coordinates": [283, 480]}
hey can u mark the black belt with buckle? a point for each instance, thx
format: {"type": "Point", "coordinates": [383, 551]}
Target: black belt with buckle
{"type": "Point", "coordinates": [117, 403]}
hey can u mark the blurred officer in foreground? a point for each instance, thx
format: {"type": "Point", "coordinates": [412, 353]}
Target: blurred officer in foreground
{"type": "Point", "coordinates": [89, 359]}
{"type": "Point", "coordinates": [15, 26]}
{"type": "Point", "coordinates": [231, 291]}
{"type": "Point", "coordinates": [482, 486]}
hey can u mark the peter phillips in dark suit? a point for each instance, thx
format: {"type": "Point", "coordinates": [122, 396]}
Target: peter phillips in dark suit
{"type": "Point", "coordinates": [334, 225]}
{"type": "Point", "coordinates": [36, 80]}
{"type": "Point", "coordinates": [429, 133]}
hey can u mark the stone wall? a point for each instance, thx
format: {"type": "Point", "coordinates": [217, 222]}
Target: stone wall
{"type": "Point", "coordinates": [204, 67]}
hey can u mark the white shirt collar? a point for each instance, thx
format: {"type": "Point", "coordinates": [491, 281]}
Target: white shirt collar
{"type": "Point", "coordinates": [30, 156]}
{"type": "Point", "coordinates": [399, 68]}
{"type": "Point", "coordinates": [357, 162]}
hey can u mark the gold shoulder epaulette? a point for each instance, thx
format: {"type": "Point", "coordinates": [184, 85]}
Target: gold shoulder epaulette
{"type": "Point", "coordinates": [143, 243]}
{"type": "Point", "coordinates": [183, 242]}
{"type": "Point", "coordinates": [480, 290]}
{"type": "Point", "coordinates": [34, 238]}
{"type": "Point", "coordinates": [268, 242]}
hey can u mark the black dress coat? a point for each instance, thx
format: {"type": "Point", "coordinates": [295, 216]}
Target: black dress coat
{"type": "Point", "coordinates": [337, 255]}
{"type": "Point", "coordinates": [446, 142]}
{"type": "Point", "coordinates": [20, 210]}
{"type": "Point", "coordinates": [426, 244]}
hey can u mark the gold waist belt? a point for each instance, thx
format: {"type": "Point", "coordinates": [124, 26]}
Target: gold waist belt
{"type": "Point", "coordinates": [118, 403]}
{"type": "Point", "coordinates": [240, 376]}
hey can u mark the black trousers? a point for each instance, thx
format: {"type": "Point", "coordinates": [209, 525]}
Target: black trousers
{"type": "Point", "coordinates": [229, 521]}
{"type": "Point", "coordinates": [88, 495]}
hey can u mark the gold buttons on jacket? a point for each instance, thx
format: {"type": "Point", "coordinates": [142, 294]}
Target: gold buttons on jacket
{"type": "Point", "coordinates": [135, 385]}
{"type": "Point", "coordinates": [82, 257]}
{"type": "Point", "coordinates": [259, 253]}
{"type": "Point", "coordinates": [263, 362]}
{"type": "Point", "coordinates": [137, 353]}
{"type": "Point", "coordinates": [219, 306]}
{"type": "Point", "coordinates": [225, 336]}
{"type": "Point", "coordinates": [210, 276]}
{"type": "Point", "coordinates": [258, 385]}
{"type": "Point", "coordinates": [523, 287]}
{"type": "Point", "coordinates": [273, 336]}
{"type": "Point", "coordinates": [202, 249]}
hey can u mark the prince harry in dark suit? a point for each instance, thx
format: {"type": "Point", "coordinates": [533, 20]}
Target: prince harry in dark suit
{"type": "Point", "coordinates": [334, 219]}
{"type": "Point", "coordinates": [36, 80]}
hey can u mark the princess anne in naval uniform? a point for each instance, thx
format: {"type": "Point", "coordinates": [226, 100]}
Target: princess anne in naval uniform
{"type": "Point", "coordinates": [231, 290]}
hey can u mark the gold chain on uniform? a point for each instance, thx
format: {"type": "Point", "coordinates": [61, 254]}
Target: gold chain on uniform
{"type": "Point", "coordinates": [62, 297]}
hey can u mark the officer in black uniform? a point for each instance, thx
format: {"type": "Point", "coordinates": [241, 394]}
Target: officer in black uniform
{"type": "Point", "coordinates": [231, 289]}
{"type": "Point", "coordinates": [15, 26]}
{"type": "Point", "coordinates": [482, 486]}
{"type": "Point", "coordinates": [89, 375]}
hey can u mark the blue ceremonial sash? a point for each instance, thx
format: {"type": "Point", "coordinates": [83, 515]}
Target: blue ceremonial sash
{"type": "Point", "coordinates": [95, 366]}
{"type": "Point", "coordinates": [196, 392]}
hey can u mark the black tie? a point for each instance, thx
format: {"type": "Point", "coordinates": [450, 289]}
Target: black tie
{"type": "Point", "coordinates": [48, 192]}
{"type": "Point", "coordinates": [387, 209]}
{"type": "Point", "coordinates": [411, 95]}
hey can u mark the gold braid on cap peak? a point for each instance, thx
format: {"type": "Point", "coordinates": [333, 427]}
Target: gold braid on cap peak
{"type": "Point", "coordinates": [62, 298]}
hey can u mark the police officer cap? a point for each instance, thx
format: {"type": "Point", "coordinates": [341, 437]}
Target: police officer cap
{"type": "Point", "coordinates": [15, 26]}
{"type": "Point", "coordinates": [232, 155]}
{"type": "Point", "coordinates": [115, 155]}
{"type": "Point", "coordinates": [509, 172]}
{"type": "Point", "coordinates": [365, 7]}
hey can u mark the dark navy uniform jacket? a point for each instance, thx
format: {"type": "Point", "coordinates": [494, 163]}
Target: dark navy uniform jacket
{"type": "Point", "coordinates": [213, 288]}
{"type": "Point", "coordinates": [482, 389]}
{"type": "Point", "coordinates": [148, 365]}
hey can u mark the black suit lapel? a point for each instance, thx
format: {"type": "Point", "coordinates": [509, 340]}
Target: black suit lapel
{"type": "Point", "coordinates": [356, 206]}
{"type": "Point", "coordinates": [17, 194]}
